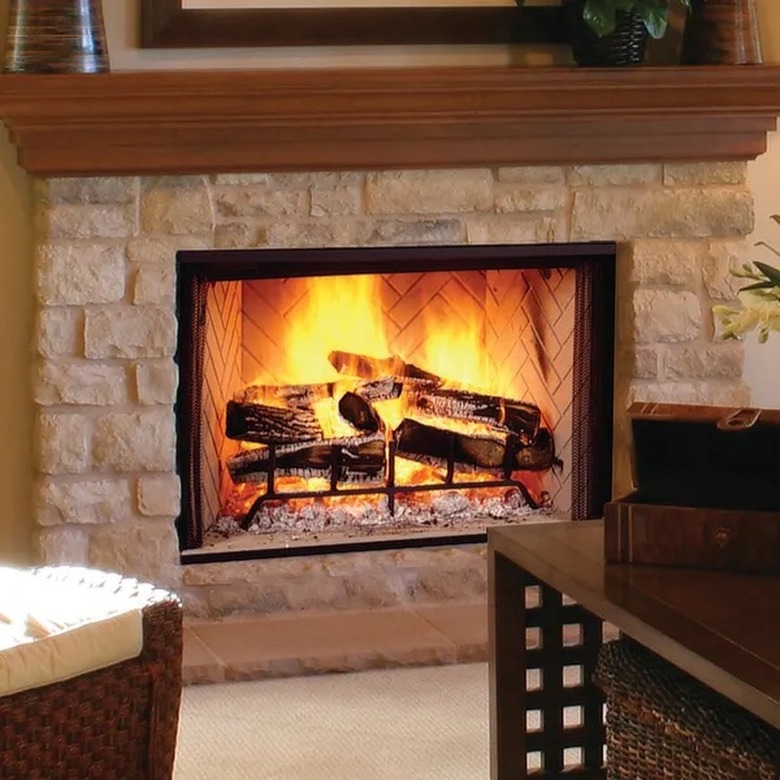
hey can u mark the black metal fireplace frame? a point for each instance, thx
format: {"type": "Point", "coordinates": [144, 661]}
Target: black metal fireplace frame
{"type": "Point", "coordinates": [594, 264]}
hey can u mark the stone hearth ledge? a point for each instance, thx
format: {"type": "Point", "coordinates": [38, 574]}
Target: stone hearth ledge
{"type": "Point", "coordinates": [107, 493]}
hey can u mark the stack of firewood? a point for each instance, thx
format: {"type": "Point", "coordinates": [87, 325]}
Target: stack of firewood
{"type": "Point", "coordinates": [441, 426]}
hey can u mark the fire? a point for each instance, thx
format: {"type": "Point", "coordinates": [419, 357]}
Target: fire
{"type": "Point", "coordinates": [445, 336]}
{"type": "Point", "coordinates": [337, 311]}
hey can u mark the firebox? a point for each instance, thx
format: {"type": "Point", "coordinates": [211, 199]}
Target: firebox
{"type": "Point", "coordinates": [343, 399]}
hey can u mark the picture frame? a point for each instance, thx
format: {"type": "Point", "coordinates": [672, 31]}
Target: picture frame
{"type": "Point", "coordinates": [171, 24]}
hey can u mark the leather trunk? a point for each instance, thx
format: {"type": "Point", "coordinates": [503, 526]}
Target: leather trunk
{"type": "Point", "coordinates": [707, 489]}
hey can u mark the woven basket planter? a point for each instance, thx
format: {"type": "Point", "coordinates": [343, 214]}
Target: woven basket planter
{"type": "Point", "coordinates": [624, 46]}
{"type": "Point", "coordinates": [661, 723]}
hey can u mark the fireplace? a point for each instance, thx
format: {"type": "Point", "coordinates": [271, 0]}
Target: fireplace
{"type": "Point", "coordinates": [109, 490]}
{"type": "Point", "coordinates": [361, 398]}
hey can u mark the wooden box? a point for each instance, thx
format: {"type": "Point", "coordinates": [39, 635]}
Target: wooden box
{"type": "Point", "coordinates": [707, 489]}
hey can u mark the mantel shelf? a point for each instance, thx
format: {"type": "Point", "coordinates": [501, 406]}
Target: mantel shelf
{"type": "Point", "coordinates": [177, 122]}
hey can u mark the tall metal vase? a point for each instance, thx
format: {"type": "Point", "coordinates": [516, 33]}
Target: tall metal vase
{"type": "Point", "coordinates": [56, 36]}
{"type": "Point", "coordinates": [722, 32]}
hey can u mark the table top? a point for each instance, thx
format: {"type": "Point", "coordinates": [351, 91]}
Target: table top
{"type": "Point", "coordinates": [723, 628]}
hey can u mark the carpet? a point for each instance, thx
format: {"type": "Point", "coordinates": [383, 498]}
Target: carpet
{"type": "Point", "coordinates": [407, 724]}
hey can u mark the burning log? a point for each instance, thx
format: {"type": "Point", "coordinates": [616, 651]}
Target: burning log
{"type": "Point", "coordinates": [418, 441]}
{"type": "Point", "coordinates": [302, 396]}
{"type": "Point", "coordinates": [298, 396]}
{"type": "Point", "coordinates": [517, 416]}
{"type": "Point", "coordinates": [360, 413]}
{"type": "Point", "coordinates": [369, 367]}
{"type": "Point", "coordinates": [359, 459]}
{"type": "Point", "coordinates": [538, 456]}
{"type": "Point", "coordinates": [271, 424]}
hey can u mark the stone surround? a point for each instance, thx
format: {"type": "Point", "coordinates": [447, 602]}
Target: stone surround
{"type": "Point", "coordinates": [105, 381]}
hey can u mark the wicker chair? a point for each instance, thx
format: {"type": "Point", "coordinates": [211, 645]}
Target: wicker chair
{"type": "Point", "coordinates": [118, 722]}
{"type": "Point", "coordinates": [661, 723]}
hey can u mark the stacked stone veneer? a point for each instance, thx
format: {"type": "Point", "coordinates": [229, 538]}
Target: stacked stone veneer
{"type": "Point", "coordinates": [105, 381]}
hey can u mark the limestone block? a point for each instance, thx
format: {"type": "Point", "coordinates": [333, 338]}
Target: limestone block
{"type": "Point", "coordinates": [142, 441]}
{"type": "Point", "coordinates": [159, 495]}
{"type": "Point", "coordinates": [84, 382]}
{"type": "Point", "coordinates": [310, 234]}
{"type": "Point", "coordinates": [723, 257]}
{"type": "Point", "coordinates": [157, 382]}
{"type": "Point", "coordinates": [97, 189]}
{"type": "Point", "coordinates": [161, 250]}
{"type": "Point", "coordinates": [644, 361]}
{"type": "Point", "coordinates": [177, 206]}
{"type": "Point", "coordinates": [429, 191]}
{"type": "Point", "coordinates": [69, 274]}
{"type": "Point", "coordinates": [155, 284]}
{"type": "Point", "coordinates": [86, 222]}
{"type": "Point", "coordinates": [668, 263]}
{"type": "Point", "coordinates": [63, 546]}
{"type": "Point", "coordinates": [146, 549]}
{"type": "Point", "coordinates": [395, 232]}
{"type": "Point", "coordinates": [64, 443]}
{"type": "Point", "coordinates": [317, 179]}
{"type": "Point", "coordinates": [702, 173]}
{"type": "Point", "coordinates": [621, 213]}
{"type": "Point", "coordinates": [240, 179]}
{"type": "Point", "coordinates": [261, 203]}
{"type": "Point", "coordinates": [335, 202]}
{"type": "Point", "coordinates": [666, 316]}
{"type": "Point", "coordinates": [532, 174]}
{"type": "Point", "coordinates": [241, 235]}
{"type": "Point", "coordinates": [613, 175]}
{"type": "Point", "coordinates": [515, 229]}
{"type": "Point", "coordinates": [59, 331]}
{"type": "Point", "coordinates": [130, 332]}
{"type": "Point", "coordinates": [722, 361]}
{"type": "Point", "coordinates": [519, 198]}
{"type": "Point", "coordinates": [82, 501]}
{"type": "Point", "coordinates": [713, 392]}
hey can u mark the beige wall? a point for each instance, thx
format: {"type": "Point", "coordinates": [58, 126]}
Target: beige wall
{"type": "Point", "coordinates": [16, 286]}
{"type": "Point", "coordinates": [16, 303]}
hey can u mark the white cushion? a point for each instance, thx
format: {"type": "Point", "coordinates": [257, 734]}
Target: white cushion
{"type": "Point", "coordinates": [52, 629]}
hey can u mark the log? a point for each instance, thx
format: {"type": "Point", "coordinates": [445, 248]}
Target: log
{"type": "Point", "coordinates": [516, 416]}
{"type": "Point", "coordinates": [382, 389]}
{"type": "Point", "coordinates": [271, 424]}
{"type": "Point", "coordinates": [359, 412]}
{"type": "Point", "coordinates": [418, 441]}
{"type": "Point", "coordinates": [538, 456]}
{"type": "Point", "coordinates": [289, 395]}
{"type": "Point", "coordinates": [357, 459]}
{"type": "Point", "coordinates": [369, 367]}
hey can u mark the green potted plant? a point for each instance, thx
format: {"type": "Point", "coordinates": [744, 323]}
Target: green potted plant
{"type": "Point", "coordinates": [615, 32]}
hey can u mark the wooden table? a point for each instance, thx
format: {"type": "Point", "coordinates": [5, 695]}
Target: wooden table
{"type": "Point", "coordinates": [723, 628]}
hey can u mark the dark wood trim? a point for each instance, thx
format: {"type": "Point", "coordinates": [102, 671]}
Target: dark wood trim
{"type": "Point", "coordinates": [165, 24]}
{"type": "Point", "coordinates": [220, 121]}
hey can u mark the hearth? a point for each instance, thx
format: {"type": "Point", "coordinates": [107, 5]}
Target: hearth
{"type": "Point", "coordinates": [345, 399]}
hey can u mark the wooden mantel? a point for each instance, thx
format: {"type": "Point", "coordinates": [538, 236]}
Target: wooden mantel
{"type": "Point", "coordinates": [181, 122]}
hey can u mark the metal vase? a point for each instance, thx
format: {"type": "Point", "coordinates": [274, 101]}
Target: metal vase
{"type": "Point", "coordinates": [721, 32]}
{"type": "Point", "coordinates": [56, 36]}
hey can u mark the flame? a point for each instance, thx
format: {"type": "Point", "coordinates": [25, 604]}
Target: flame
{"type": "Point", "coordinates": [345, 314]}
{"type": "Point", "coordinates": [337, 313]}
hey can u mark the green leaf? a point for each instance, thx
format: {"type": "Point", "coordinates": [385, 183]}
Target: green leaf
{"type": "Point", "coordinates": [771, 273]}
{"type": "Point", "coordinates": [655, 15]}
{"type": "Point", "coordinates": [600, 16]}
{"type": "Point", "coordinates": [757, 286]}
